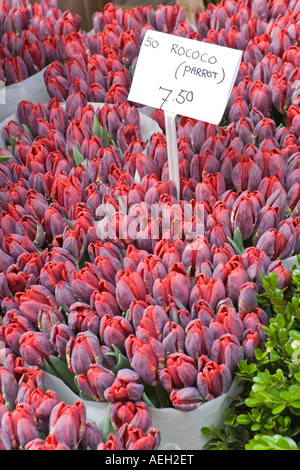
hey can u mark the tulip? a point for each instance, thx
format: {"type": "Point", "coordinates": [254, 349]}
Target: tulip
{"type": "Point", "coordinates": [173, 337]}
{"type": "Point", "coordinates": [114, 331]}
{"type": "Point", "coordinates": [275, 244]}
{"type": "Point", "coordinates": [20, 425]}
{"type": "Point", "coordinates": [196, 253]}
{"type": "Point", "coordinates": [208, 289]}
{"type": "Point", "coordinates": [68, 422]}
{"type": "Point", "coordinates": [130, 285]}
{"type": "Point", "coordinates": [226, 350]}
{"type": "Point", "coordinates": [244, 215]}
{"type": "Point", "coordinates": [151, 268]}
{"type": "Point", "coordinates": [35, 347]}
{"type": "Point", "coordinates": [247, 300]}
{"type": "Point", "coordinates": [185, 399]}
{"type": "Point", "coordinates": [47, 318]}
{"type": "Point", "coordinates": [146, 358]}
{"type": "Point", "coordinates": [82, 317]}
{"type": "Point", "coordinates": [105, 304]}
{"type": "Point", "coordinates": [8, 388]}
{"type": "Point", "coordinates": [82, 351]}
{"type": "Point", "coordinates": [256, 321]}
{"type": "Point", "coordinates": [213, 378]}
{"type": "Point", "coordinates": [5, 443]}
{"type": "Point", "coordinates": [126, 386]}
{"type": "Point", "coordinates": [92, 437]}
{"type": "Point", "coordinates": [283, 275]}
{"type": "Point", "coordinates": [152, 323]}
{"type": "Point", "coordinates": [180, 372]}
{"type": "Point", "coordinates": [96, 380]}
{"type": "Point", "coordinates": [231, 320]}
{"type": "Point", "coordinates": [203, 311]}
{"type": "Point", "coordinates": [59, 337]}
{"type": "Point", "coordinates": [64, 295]}
{"type": "Point", "coordinates": [252, 341]}
{"type": "Point", "coordinates": [36, 297]}
{"type": "Point", "coordinates": [112, 443]}
{"type": "Point", "coordinates": [42, 402]}
{"type": "Point", "coordinates": [134, 413]}
{"type": "Point", "coordinates": [198, 339]}
{"type": "Point", "coordinates": [168, 253]}
{"type": "Point", "coordinates": [135, 439]}
{"type": "Point", "coordinates": [176, 285]}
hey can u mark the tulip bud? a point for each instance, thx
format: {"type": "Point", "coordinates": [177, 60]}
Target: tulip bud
{"type": "Point", "coordinates": [226, 350]}
{"type": "Point", "coordinates": [114, 331]}
{"type": "Point", "coordinates": [176, 285]}
{"type": "Point", "coordinates": [247, 300]}
{"type": "Point", "coordinates": [20, 425]}
{"type": "Point", "coordinates": [180, 372]}
{"type": "Point", "coordinates": [8, 388]}
{"type": "Point", "coordinates": [126, 386]}
{"type": "Point", "coordinates": [146, 358]}
{"type": "Point", "coordinates": [68, 422]}
{"type": "Point", "coordinates": [130, 285]}
{"type": "Point", "coordinates": [59, 337]}
{"type": "Point", "coordinates": [213, 378]}
{"type": "Point", "coordinates": [82, 351]}
{"type": "Point", "coordinates": [134, 413]}
{"type": "Point", "coordinates": [198, 340]}
{"type": "Point", "coordinates": [96, 380]}
{"type": "Point", "coordinates": [185, 399]}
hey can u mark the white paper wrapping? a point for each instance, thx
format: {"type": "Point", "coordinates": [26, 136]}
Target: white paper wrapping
{"type": "Point", "coordinates": [32, 89]}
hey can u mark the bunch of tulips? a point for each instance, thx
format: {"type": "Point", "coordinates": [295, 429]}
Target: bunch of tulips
{"type": "Point", "coordinates": [141, 296]}
{"type": "Point", "coordinates": [30, 35]}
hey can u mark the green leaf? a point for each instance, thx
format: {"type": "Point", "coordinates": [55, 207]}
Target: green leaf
{"type": "Point", "coordinates": [244, 419]}
{"type": "Point", "coordinates": [78, 157]}
{"type": "Point", "coordinates": [122, 361]}
{"type": "Point", "coordinates": [4, 158]}
{"type": "Point", "coordinates": [13, 141]}
{"type": "Point", "coordinates": [27, 130]}
{"type": "Point", "coordinates": [100, 132]}
{"type": "Point", "coordinates": [278, 409]}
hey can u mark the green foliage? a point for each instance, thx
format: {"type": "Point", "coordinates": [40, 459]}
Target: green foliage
{"type": "Point", "coordinates": [266, 415]}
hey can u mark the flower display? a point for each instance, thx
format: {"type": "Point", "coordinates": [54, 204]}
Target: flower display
{"type": "Point", "coordinates": [135, 297]}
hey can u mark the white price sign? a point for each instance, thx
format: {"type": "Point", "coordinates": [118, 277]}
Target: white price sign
{"type": "Point", "coordinates": [184, 76]}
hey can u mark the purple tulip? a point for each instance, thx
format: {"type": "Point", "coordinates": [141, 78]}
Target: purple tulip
{"type": "Point", "coordinates": [126, 386]}
{"type": "Point", "coordinates": [95, 381]}
{"type": "Point", "coordinates": [20, 425]}
{"type": "Point", "coordinates": [68, 423]}
{"type": "Point", "coordinates": [146, 358]}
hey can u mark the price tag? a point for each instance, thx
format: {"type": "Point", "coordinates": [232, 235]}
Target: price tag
{"type": "Point", "coordinates": [184, 76]}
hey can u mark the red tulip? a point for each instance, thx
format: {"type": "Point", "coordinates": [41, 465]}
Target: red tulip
{"type": "Point", "coordinates": [135, 439]}
{"type": "Point", "coordinates": [213, 378]}
{"type": "Point", "coordinates": [180, 372]}
{"type": "Point", "coordinates": [134, 413]}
